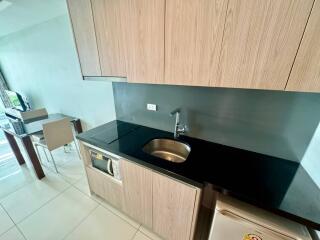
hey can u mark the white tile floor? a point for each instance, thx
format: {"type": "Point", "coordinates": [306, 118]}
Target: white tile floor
{"type": "Point", "coordinates": [59, 206]}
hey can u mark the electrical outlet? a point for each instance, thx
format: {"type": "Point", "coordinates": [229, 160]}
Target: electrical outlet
{"type": "Point", "coordinates": [151, 107]}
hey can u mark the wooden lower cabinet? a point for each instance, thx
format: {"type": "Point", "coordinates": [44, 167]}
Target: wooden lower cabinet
{"type": "Point", "coordinates": [137, 192]}
{"type": "Point", "coordinates": [105, 187]}
{"type": "Point", "coordinates": [166, 206]}
{"type": "Point", "coordinates": [175, 207]}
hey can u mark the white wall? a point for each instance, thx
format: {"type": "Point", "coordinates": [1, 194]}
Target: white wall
{"type": "Point", "coordinates": [41, 63]}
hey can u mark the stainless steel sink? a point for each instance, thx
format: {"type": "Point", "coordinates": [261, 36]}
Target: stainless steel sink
{"type": "Point", "coordinates": [167, 149]}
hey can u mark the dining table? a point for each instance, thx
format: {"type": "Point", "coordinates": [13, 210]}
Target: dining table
{"type": "Point", "coordinates": [23, 130]}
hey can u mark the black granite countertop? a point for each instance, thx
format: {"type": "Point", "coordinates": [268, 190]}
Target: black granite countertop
{"type": "Point", "coordinates": [275, 184]}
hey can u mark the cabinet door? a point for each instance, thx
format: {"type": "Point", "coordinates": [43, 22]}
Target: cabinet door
{"type": "Point", "coordinates": [261, 39]}
{"type": "Point", "coordinates": [194, 31]}
{"type": "Point", "coordinates": [105, 187]}
{"type": "Point", "coordinates": [305, 75]}
{"type": "Point", "coordinates": [145, 41]}
{"type": "Point", "coordinates": [83, 29]}
{"type": "Point", "coordinates": [174, 205]}
{"type": "Point", "coordinates": [109, 18]}
{"type": "Point", "coordinates": [137, 191]}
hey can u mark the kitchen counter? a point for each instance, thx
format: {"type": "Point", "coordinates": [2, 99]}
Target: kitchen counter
{"type": "Point", "coordinates": [275, 184]}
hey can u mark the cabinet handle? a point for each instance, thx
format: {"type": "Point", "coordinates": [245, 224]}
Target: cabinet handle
{"type": "Point", "coordinates": [109, 167]}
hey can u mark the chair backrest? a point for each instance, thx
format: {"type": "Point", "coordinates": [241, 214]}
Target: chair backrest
{"type": "Point", "coordinates": [57, 133]}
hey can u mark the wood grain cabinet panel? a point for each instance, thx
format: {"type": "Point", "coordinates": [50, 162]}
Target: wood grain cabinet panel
{"type": "Point", "coordinates": [105, 187]}
{"type": "Point", "coordinates": [305, 75]}
{"type": "Point", "coordinates": [84, 34]}
{"type": "Point", "coordinates": [174, 208]}
{"type": "Point", "coordinates": [145, 41]}
{"type": "Point", "coordinates": [193, 36]}
{"type": "Point", "coordinates": [261, 39]}
{"type": "Point", "coordinates": [137, 189]}
{"type": "Point", "coordinates": [111, 27]}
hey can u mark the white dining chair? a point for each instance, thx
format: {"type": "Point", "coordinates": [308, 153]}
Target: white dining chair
{"type": "Point", "coordinates": [56, 134]}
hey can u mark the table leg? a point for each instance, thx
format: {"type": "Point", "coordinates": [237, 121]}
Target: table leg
{"type": "Point", "coordinates": [33, 156]}
{"type": "Point", "coordinates": [77, 126]}
{"type": "Point", "coordinates": [15, 148]}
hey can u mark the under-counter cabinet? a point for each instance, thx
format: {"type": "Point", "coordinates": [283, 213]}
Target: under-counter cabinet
{"type": "Point", "coordinates": [175, 208]}
{"type": "Point", "coordinates": [137, 192]}
{"type": "Point", "coordinates": [166, 206]}
{"type": "Point", "coordinates": [305, 75]}
{"type": "Point", "coordinates": [105, 186]}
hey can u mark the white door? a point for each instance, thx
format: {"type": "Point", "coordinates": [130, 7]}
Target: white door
{"type": "Point", "coordinates": [227, 225]}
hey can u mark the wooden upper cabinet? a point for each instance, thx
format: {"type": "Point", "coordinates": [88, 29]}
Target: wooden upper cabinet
{"type": "Point", "coordinates": [194, 31]}
{"type": "Point", "coordinates": [305, 75]}
{"type": "Point", "coordinates": [110, 26]}
{"type": "Point", "coordinates": [261, 39]}
{"type": "Point", "coordinates": [137, 192]}
{"type": "Point", "coordinates": [145, 41]}
{"type": "Point", "coordinates": [84, 34]}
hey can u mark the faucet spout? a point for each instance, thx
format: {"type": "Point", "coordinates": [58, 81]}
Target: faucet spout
{"type": "Point", "coordinates": [177, 110]}
{"type": "Point", "coordinates": [178, 129]}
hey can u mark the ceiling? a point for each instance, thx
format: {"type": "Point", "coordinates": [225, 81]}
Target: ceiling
{"type": "Point", "coordinates": [16, 15]}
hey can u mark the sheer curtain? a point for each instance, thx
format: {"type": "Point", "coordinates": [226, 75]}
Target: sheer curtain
{"type": "Point", "coordinates": [3, 86]}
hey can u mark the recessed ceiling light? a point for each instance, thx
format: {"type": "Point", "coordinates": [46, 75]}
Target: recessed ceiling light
{"type": "Point", "coordinates": [4, 4]}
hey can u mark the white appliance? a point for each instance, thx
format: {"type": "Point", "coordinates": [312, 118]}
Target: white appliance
{"type": "Point", "coordinates": [235, 220]}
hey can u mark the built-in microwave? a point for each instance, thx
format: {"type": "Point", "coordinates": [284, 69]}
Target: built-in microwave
{"type": "Point", "coordinates": [105, 163]}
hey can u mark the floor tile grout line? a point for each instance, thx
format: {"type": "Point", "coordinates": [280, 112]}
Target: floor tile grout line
{"type": "Point", "coordinates": [85, 195]}
{"type": "Point", "coordinates": [135, 234]}
{"type": "Point", "coordinates": [1, 206]}
{"type": "Point", "coordinates": [72, 185]}
{"type": "Point", "coordinates": [34, 179]}
{"type": "Point", "coordinates": [75, 227]}
{"type": "Point", "coordinates": [69, 187]}
{"type": "Point", "coordinates": [14, 224]}
{"type": "Point", "coordinates": [120, 216]}
{"type": "Point", "coordinates": [144, 234]}
{"type": "Point", "coordinates": [5, 210]}
{"type": "Point", "coordinates": [27, 184]}
{"type": "Point", "coordinates": [36, 210]}
{"type": "Point", "coordinates": [1, 200]}
{"type": "Point", "coordinates": [21, 232]}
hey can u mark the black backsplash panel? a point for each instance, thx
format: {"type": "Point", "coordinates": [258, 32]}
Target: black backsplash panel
{"type": "Point", "coordinates": [276, 123]}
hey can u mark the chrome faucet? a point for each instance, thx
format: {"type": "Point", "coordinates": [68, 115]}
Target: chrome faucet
{"type": "Point", "coordinates": [178, 128]}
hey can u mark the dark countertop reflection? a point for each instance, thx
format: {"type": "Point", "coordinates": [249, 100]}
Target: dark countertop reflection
{"type": "Point", "coordinates": [275, 184]}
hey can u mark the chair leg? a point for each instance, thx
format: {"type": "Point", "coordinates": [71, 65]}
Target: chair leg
{"type": "Point", "coordinates": [37, 150]}
{"type": "Point", "coordinates": [78, 151]}
{"type": "Point", "coordinates": [65, 148]}
{"type": "Point", "coordinates": [54, 163]}
{"type": "Point", "coordinates": [45, 153]}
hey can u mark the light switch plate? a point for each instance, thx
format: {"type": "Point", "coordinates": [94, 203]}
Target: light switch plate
{"type": "Point", "coordinates": [151, 107]}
